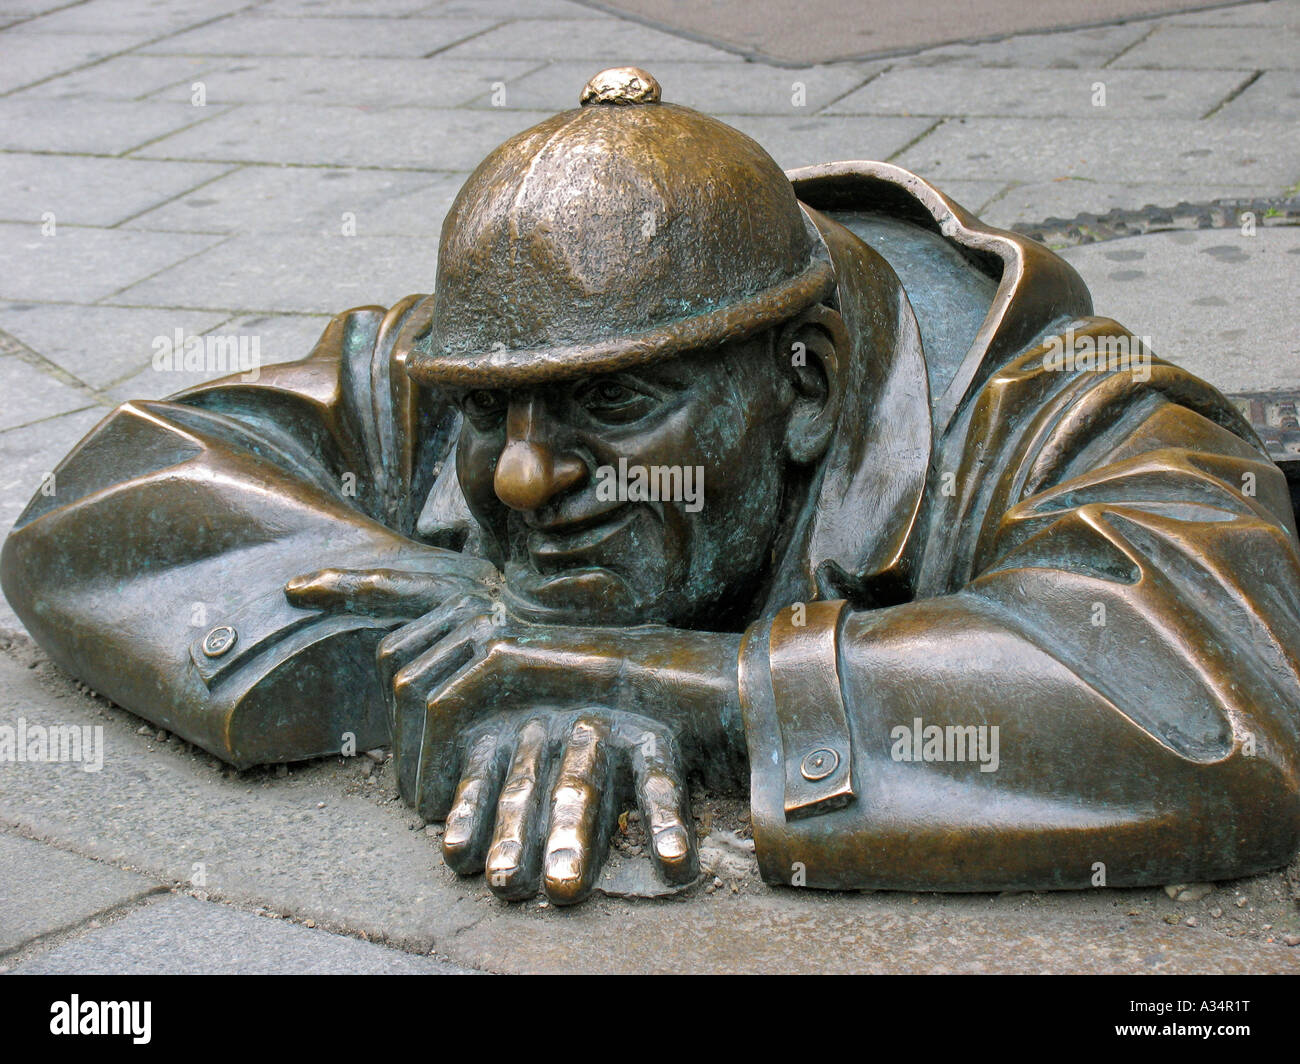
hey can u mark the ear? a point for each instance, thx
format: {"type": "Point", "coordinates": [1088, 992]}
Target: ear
{"type": "Point", "coordinates": [811, 346]}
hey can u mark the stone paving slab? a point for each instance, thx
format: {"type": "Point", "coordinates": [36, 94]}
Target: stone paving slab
{"type": "Point", "coordinates": [84, 190]}
{"type": "Point", "coordinates": [150, 18]}
{"type": "Point", "coordinates": [294, 274]}
{"type": "Point", "coordinates": [164, 809]}
{"type": "Point", "coordinates": [182, 936]}
{"type": "Point", "coordinates": [1071, 50]}
{"type": "Point", "coordinates": [324, 844]}
{"type": "Point", "coordinates": [974, 195]}
{"type": "Point", "coordinates": [44, 890]}
{"type": "Point", "coordinates": [310, 201]}
{"type": "Point", "coordinates": [516, 9]}
{"type": "Point", "coordinates": [812, 139]}
{"type": "Point", "coordinates": [715, 88]}
{"type": "Point", "coordinates": [606, 41]}
{"type": "Point", "coordinates": [280, 338]}
{"type": "Point", "coordinates": [91, 126]}
{"type": "Point", "coordinates": [837, 934]}
{"type": "Point", "coordinates": [30, 58]}
{"type": "Point", "coordinates": [1069, 198]}
{"type": "Point", "coordinates": [400, 138]}
{"type": "Point", "coordinates": [126, 77]}
{"type": "Point", "coordinates": [1217, 302]}
{"type": "Point", "coordinates": [82, 264]}
{"type": "Point", "coordinates": [1269, 13]}
{"type": "Point", "coordinates": [31, 395]}
{"type": "Point", "coordinates": [1022, 92]}
{"type": "Point", "coordinates": [1224, 48]}
{"type": "Point", "coordinates": [1121, 151]}
{"type": "Point", "coordinates": [836, 29]}
{"type": "Point", "coordinates": [352, 8]}
{"type": "Point", "coordinates": [28, 8]}
{"type": "Point", "coordinates": [250, 34]}
{"type": "Point", "coordinates": [99, 345]}
{"type": "Point", "coordinates": [1276, 94]}
{"type": "Point", "coordinates": [363, 83]}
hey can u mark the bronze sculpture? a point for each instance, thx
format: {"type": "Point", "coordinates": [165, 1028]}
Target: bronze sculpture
{"type": "Point", "coordinates": [690, 469]}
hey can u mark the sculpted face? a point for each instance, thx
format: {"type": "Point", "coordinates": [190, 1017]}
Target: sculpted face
{"type": "Point", "coordinates": [647, 496]}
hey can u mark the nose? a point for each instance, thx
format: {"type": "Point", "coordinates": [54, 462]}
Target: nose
{"type": "Point", "coordinates": [529, 472]}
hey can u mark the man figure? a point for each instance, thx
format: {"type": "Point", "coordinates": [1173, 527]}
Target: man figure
{"type": "Point", "coordinates": [977, 594]}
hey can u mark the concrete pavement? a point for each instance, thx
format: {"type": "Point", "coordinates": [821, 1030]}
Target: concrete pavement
{"type": "Point", "coordinates": [240, 168]}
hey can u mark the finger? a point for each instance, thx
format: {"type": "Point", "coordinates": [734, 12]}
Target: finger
{"type": "Point", "coordinates": [332, 588]}
{"type": "Point", "coordinates": [406, 719]}
{"type": "Point", "coordinates": [511, 865]}
{"type": "Point", "coordinates": [374, 590]}
{"type": "Point", "coordinates": [580, 804]}
{"type": "Point", "coordinates": [465, 839]}
{"type": "Point", "coordinates": [399, 648]}
{"type": "Point", "coordinates": [395, 651]}
{"type": "Point", "coordinates": [421, 772]}
{"type": "Point", "coordinates": [665, 808]}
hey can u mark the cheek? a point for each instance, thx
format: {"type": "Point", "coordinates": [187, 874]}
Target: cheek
{"type": "Point", "coordinates": [703, 432]}
{"type": "Point", "coordinates": [740, 450]}
{"type": "Point", "coordinates": [736, 456]}
{"type": "Point", "coordinates": [743, 476]}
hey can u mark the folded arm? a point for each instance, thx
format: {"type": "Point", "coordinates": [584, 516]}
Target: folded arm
{"type": "Point", "coordinates": [1106, 691]}
{"type": "Point", "coordinates": [156, 570]}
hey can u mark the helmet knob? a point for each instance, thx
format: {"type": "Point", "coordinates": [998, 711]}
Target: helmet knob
{"type": "Point", "coordinates": [620, 86]}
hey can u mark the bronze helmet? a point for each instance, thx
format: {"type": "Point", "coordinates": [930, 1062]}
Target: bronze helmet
{"type": "Point", "coordinates": [622, 232]}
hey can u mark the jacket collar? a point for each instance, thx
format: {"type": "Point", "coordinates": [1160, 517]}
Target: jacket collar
{"type": "Point", "coordinates": [1035, 287]}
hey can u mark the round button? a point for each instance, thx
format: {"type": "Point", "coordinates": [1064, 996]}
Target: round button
{"type": "Point", "coordinates": [219, 640]}
{"type": "Point", "coordinates": [819, 764]}
{"type": "Point", "coordinates": [621, 86]}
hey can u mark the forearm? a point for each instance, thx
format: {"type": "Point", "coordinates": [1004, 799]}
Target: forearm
{"type": "Point", "coordinates": [981, 762]}
{"type": "Point", "coordinates": [181, 534]}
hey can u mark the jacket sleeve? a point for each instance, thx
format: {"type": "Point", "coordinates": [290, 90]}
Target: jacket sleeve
{"type": "Point", "coordinates": [154, 569]}
{"type": "Point", "coordinates": [1097, 683]}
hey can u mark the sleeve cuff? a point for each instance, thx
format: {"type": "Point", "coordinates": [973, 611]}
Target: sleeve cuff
{"type": "Point", "coordinates": [796, 726]}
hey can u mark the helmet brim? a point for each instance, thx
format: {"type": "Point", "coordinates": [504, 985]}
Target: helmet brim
{"type": "Point", "coordinates": [505, 368]}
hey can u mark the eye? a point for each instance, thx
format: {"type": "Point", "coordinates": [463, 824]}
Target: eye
{"type": "Point", "coordinates": [483, 405]}
{"type": "Point", "coordinates": [615, 401]}
{"type": "Point", "coordinates": [612, 392]}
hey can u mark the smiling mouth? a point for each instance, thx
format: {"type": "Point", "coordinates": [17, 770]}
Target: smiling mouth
{"type": "Point", "coordinates": [566, 544]}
